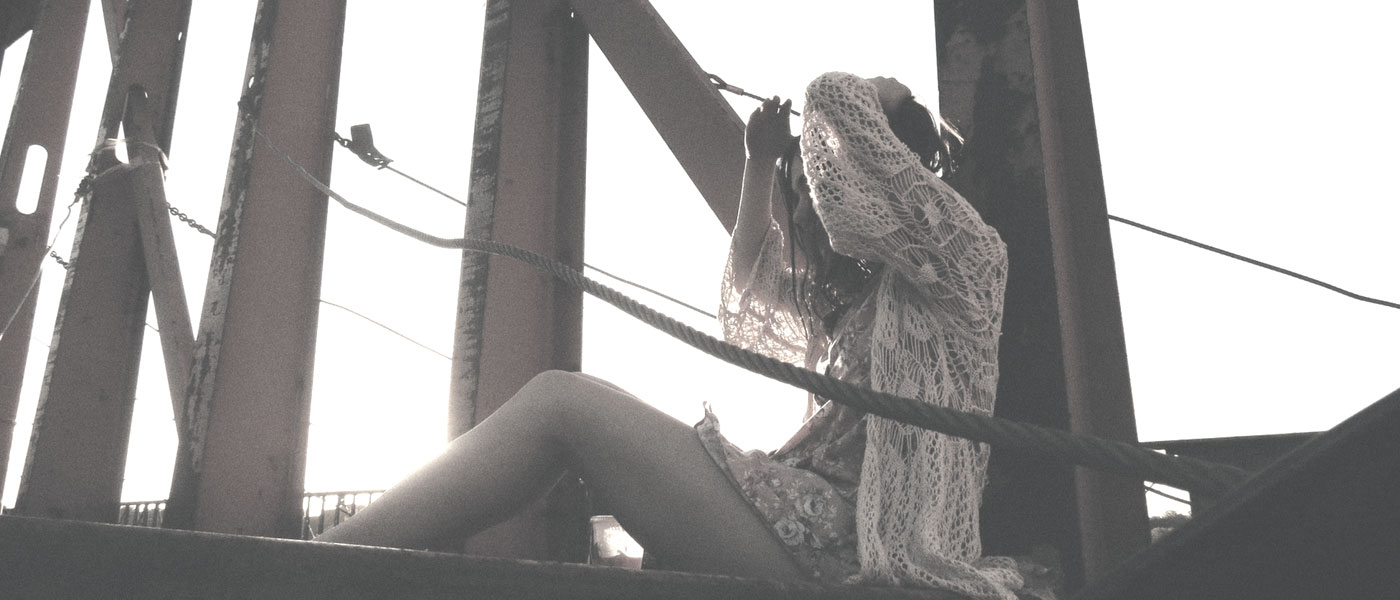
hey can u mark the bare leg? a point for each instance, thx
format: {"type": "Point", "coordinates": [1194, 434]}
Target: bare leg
{"type": "Point", "coordinates": [649, 470]}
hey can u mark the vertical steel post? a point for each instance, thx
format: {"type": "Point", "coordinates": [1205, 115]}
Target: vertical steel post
{"type": "Point", "coordinates": [78, 447]}
{"type": "Point", "coordinates": [77, 451]}
{"type": "Point", "coordinates": [39, 118]}
{"type": "Point", "coordinates": [527, 190]}
{"type": "Point", "coordinates": [242, 464]}
{"type": "Point", "coordinates": [1113, 509]}
{"type": "Point", "coordinates": [1012, 75]}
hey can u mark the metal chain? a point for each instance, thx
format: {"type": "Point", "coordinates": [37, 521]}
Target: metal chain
{"type": "Point", "coordinates": [59, 260]}
{"type": "Point", "coordinates": [184, 218]}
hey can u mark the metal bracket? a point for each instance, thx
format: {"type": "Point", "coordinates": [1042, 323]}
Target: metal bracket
{"type": "Point", "coordinates": [361, 142]}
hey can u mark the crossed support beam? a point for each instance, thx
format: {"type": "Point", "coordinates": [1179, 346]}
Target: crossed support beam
{"type": "Point", "coordinates": [78, 448]}
{"type": "Point", "coordinates": [124, 254]}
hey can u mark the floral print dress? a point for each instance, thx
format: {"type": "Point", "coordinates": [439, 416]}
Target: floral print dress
{"type": "Point", "coordinates": [806, 490]}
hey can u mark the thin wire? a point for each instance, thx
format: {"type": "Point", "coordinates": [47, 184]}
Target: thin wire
{"type": "Point", "coordinates": [723, 85]}
{"type": "Point", "coordinates": [1256, 263]}
{"type": "Point", "coordinates": [464, 204]}
{"type": "Point", "coordinates": [734, 89]}
{"type": "Point", "coordinates": [83, 188]}
{"type": "Point", "coordinates": [205, 231]}
{"type": "Point", "coordinates": [415, 180]}
{"type": "Point", "coordinates": [1153, 489]}
{"type": "Point", "coordinates": [642, 287]}
{"type": "Point", "coordinates": [387, 328]}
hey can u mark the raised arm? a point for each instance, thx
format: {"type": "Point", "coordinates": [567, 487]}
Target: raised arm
{"type": "Point", "coordinates": [756, 308]}
{"type": "Point", "coordinates": [879, 203]}
{"type": "Point", "coordinates": [767, 134]}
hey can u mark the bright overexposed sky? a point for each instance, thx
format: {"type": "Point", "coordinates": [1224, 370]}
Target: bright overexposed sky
{"type": "Point", "coordinates": [1262, 127]}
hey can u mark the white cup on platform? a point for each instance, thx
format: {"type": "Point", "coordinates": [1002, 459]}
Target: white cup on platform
{"type": "Point", "coordinates": [611, 546]}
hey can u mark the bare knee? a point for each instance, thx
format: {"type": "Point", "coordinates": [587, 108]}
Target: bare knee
{"type": "Point", "coordinates": [552, 398]}
{"type": "Point", "coordinates": [551, 381]}
{"type": "Point", "coordinates": [570, 404]}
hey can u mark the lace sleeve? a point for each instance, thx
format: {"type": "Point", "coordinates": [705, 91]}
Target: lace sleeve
{"type": "Point", "coordinates": [879, 203]}
{"type": "Point", "coordinates": [762, 317]}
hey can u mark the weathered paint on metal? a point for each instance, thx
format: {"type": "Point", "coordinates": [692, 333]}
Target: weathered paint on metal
{"type": "Point", "coordinates": [85, 404]}
{"type": "Point", "coordinates": [114, 17]}
{"type": "Point", "coordinates": [151, 51]}
{"type": "Point", "coordinates": [189, 457]}
{"type": "Point", "coordinates": [1012, 76]}
{"type": "Point", "coordinates": [700, 127]}
{"type": "Point", "coordinates": [526, 190]}
{"type": "Point", "coordinates": [39, 117]}
{"type": "Point", "coordinates": [77, 451]}
{"type": "Point", "coordinates": [241, 468]}
{"type": "Point", "coordinates": [481, 206]}
{"type": "Point", "coordinates": [158, 249]}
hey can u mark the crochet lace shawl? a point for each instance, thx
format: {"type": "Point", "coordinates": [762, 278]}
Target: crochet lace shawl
{"type": "Point", "coordinates": [935, 334]}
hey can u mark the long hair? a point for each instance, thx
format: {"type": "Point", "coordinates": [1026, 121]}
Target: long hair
{"type": "Point", "coordinates": [833, 282]}
{"type": "Point", "coordinates": [936, 141]}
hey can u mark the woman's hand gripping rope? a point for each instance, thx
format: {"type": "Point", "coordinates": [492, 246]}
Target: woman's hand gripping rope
{"type": "Point", "coordinates": [768, 132]}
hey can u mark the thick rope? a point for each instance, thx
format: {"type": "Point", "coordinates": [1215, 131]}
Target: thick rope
{"type": "Point", "coordinates": [1107, 455]}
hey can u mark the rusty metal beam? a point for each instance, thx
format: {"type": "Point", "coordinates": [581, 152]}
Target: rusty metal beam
{"type": "Point", "coordinates": [39, 118]}
{"type": "Point", "coordinates": [152, 51]}
{"type": "Point", "coordinates": [77, 451]}
{"type": "Point", "coordinates": [1012, 75]}
{"type": "Point", "coordinates": [78, 447]}
{"type": "Point", "coordinates": [527, 186]}
{"type": "Point", "coordinates": [158, 249]}
{"type": "Point", "coordinates": [702, 130]}
{"type": "Point", "coordinates": [114, 17]}
{"type": "Point", "coordinates": [241, 468]}
{"type": "Point", "coordinates": [142, 96]}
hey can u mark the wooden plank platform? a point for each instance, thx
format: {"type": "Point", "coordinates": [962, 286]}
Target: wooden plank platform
{"type": "Point", "coordinates": [1321, 522]}
{"type": "Point", "coordinates": [42, 558]}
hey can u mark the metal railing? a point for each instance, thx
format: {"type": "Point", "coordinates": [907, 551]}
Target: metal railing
{"type": "Point", "coordinates": [320, 510]}
{"type": "Point", "coordinates": [330, 508]}
{"type": "Point", "coordinates": [141, 514]}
